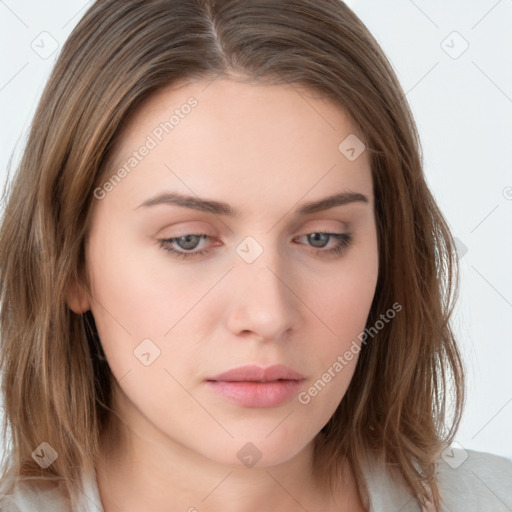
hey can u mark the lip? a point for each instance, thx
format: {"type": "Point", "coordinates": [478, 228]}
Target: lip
{"type": "Point", "coordinates": [256, 386]}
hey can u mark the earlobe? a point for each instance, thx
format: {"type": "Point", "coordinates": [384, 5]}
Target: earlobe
{"type": "Point", "coordinates": [76, 298]}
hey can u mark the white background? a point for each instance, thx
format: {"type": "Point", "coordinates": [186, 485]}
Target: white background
{"type": "Point", "coordinates": [463, 108]}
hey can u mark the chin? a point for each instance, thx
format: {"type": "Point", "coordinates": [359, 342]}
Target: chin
{"type": "Point", "coordinates": [257, 451]}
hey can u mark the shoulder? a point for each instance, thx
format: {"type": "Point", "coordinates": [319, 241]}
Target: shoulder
{"type": "Point", "coordinates": [473, 481]}
{"type": "Point", "coordinates": [469, 481]}
{"type": "Point", "coordinates": [31, 495]}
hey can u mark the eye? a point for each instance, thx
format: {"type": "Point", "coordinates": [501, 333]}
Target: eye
{"type": "Point", "coordinates": [188, 243]}
{"type": "Point", "coordinates": [320, 240]}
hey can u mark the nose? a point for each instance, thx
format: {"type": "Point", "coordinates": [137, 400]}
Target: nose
{"type": "Point", "coordinates": [263, 301]}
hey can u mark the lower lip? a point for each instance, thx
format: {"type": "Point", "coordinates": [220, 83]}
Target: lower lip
{"type": "Point", "coordinates": [256, 394]}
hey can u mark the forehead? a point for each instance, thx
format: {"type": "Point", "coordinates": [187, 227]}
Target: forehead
{"type": "Point", "coordinates": [249, 105]}
{"type": "Point", "coordinates": [206, 135]}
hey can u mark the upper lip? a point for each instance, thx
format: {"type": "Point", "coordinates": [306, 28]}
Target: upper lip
{"type": "Point", "coordinates": [256, 373]}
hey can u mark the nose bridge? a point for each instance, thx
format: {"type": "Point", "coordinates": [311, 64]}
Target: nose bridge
{"type": "Point", "coordinates": [264, 302]}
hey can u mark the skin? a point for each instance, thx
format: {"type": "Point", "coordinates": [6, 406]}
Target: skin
{"type": "Point", "coordinates": [265, 150]}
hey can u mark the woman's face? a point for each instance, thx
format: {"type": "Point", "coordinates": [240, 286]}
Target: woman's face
{"type": "Point", "coordinates": [236, 174]}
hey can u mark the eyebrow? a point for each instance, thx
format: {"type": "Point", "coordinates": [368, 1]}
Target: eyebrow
{"type": "Point", "coordinates": [221, 208]}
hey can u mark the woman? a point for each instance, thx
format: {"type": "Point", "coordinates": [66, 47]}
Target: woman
{"type": "Point", "coordinates": [225, 282]}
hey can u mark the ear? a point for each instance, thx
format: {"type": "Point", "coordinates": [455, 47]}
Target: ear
{"type": "Point", "coordinates": [76, 298]}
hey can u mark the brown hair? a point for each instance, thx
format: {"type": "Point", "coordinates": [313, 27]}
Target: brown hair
{"type": "Point", "coordinates": [56, 383]}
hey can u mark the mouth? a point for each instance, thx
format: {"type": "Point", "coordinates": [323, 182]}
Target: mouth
{"type": "Point", "coordinates": [255, 386]}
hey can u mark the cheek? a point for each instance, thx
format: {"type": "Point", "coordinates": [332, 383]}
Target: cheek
{"type": "Point", "coordinates": [343, 305]}
{"type": "Point", "coordinates": [343, 310]}
{"type": "Point", "coordinates": [142, 304]}
{"type": "Point", "coordinates": [136, 291]}
{"type": "Point", "coordinates": [344, 299]}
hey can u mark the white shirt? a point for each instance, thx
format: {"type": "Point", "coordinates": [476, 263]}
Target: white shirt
{"type": "Point", "coordinates": [470, 481]}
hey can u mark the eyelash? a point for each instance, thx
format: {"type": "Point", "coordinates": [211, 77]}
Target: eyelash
{"type": "Point", "coordinates": [343, 241]}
